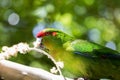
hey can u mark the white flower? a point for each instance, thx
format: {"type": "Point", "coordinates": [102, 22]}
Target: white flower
{"type": "Point", "coordinates": [7, 52]}
{"type": "Point", "coordinates": [12, 51]}
{"type": "Point", "coordinates": [53, 70]}
{"type": "Point", "coordinates": [1, 57]}
{"type": "Point", "coordinates": [23, 48]}
{"type": "Point", "coordinates": [5, 55]}
{"type": "Point", "coordinates": [80, 79]}
{"type": "Point", "coordinates": [4, 48]}
{"type": "Point", "coordinates": [60, 64]}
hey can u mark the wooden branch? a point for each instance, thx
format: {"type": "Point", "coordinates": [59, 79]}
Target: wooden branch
{"type": "Point", "coordinates": [14, 71]}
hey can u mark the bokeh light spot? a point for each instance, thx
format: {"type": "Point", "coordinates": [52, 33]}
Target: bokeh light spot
{"type": "Point", "coordinates": [89, 2]}
{"type": "Point", "coordinates": [13, 19]}
{"type": "Point", "coordinates": [5, 3]}
{"type": "Point", "coordinates": [80, 10]}
{"type": "Point", "coordinates": [111, 45]}
{"type": "Point", "coordinates": [50, 8]}
{"type": "Point", "coordinates": [117, 14]}
{"type": "Point", "coordinates": [90, 22]}
{"type": "Point", "coordinates": [66, 19]}
{"type": "Point", "coordinates": [41, 12]}
{"type": "Point", "coordinates": [37, 28]}
{"type": "Point", "coordinates": [94, 35]}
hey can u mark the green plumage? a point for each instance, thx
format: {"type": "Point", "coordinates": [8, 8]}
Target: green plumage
{"type": "Point", "coordinates": [82, 58]}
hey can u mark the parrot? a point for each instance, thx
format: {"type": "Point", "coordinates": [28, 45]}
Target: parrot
{"type": "Point", "coordinates": [81, 58]}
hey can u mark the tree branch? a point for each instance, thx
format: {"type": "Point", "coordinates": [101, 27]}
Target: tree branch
{"type": "Point", "coordinates": [14, 71]}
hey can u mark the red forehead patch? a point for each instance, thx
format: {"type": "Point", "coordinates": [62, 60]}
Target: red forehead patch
{"type": "Point", "coordinates": [40, 34]}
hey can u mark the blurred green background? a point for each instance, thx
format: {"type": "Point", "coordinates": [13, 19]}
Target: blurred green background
{"type": "Point", "coordinates": [94, 20]}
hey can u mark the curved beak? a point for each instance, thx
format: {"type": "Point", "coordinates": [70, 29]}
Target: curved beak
{"type": "Point", "coordinates": [39, 40]}
{"type": "Point", "coordinates": [39, 43]}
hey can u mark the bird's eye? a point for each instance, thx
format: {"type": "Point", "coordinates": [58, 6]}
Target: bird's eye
{"type": "Point", "coordinates": [47, 34]}
{"type": "Point", "coordinates": [54, 33]}
{"type": "Point", "coordinates": [50, 33]}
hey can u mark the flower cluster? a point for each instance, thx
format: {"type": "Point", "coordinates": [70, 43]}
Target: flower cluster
{"type": "Point", "coordinates": [60, 64]}
{"type": "Point", "coordinates": [7, 52]}
{"type": "Point", "coordinates": [54, 70]}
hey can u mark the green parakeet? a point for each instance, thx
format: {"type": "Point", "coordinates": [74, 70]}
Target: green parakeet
{"type": "Point", "coordinates": [81, 58]}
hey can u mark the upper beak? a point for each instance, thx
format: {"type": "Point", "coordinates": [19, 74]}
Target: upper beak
{"type": "Point", "coordinates": [39, 42]}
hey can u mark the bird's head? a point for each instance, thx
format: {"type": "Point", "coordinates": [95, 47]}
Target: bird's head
{"type": "Point", "coordinates": [52, 36]}
{"type": "Point", "coordinates": [47, 32]}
